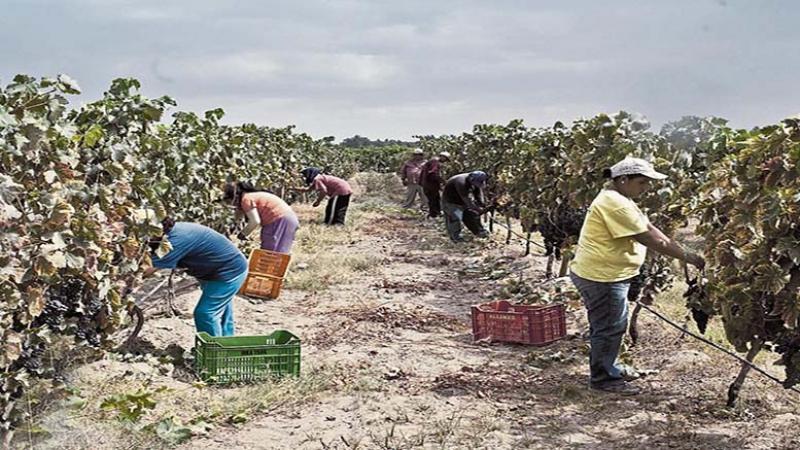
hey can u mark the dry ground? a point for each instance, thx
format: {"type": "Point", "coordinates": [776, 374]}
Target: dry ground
{"type": "Point", "coordinates": [382, 307]}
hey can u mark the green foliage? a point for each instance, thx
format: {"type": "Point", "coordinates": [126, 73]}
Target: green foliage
{"type": "Point", "coordinates": [363, 142]}
{"type": "Point", "coordinates": [382, 159]}
{"type": "Point", "coordinates": [130, 407]}
{"type": "Point", "coordinates": [173, 431]}
{"type": "Point", "coordinates": [749, 209]}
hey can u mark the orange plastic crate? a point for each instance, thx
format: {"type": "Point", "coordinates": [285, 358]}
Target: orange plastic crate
{"type": "Point", "coordinates": [265, 272]}
{"type": "Point", "coordinates": [523, 324]}
{"type": "Point", "coordinates": [265, 262]}
{"type": "Point", "coordinates": [264, 286]}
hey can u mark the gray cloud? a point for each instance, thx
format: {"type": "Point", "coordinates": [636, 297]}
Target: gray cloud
{"type": "Point", "coordinates": [394, 69]}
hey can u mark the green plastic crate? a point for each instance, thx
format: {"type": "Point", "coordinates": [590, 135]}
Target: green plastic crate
{"type": "Point", "coordinates": [232, 359]}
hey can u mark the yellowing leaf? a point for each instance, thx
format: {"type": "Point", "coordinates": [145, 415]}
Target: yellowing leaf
{"type": "Point", "coordinates": [12, 348]}
{"type": "Point", "coordinates": [36, 300]}
{"type": "Point", "coordinates": [61, 214]}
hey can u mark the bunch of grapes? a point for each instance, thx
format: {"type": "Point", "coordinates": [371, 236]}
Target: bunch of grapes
{"type": "Point", "coordinates": [563, 223]}
{"type": "Point", "coordinates": [788, 345]}
{"type": "Point", "coordinates": [31, 357]}
{"type": "Point", "coordinates": [72, 300]}
{"type": "Point", "coordinates": [697, 302]}
{"type": "Point", "coordinates": [638, 282]}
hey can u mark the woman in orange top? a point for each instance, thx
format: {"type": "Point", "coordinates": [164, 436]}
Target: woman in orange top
{"type": "Point", "coordinates": [275, 217]}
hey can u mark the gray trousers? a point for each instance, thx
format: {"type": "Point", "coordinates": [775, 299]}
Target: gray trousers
{"type": "Point", "coordinates": [412, 190]}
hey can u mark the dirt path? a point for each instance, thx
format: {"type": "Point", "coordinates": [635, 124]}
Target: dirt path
{"type": "Point", "coordinates": [389, 362]}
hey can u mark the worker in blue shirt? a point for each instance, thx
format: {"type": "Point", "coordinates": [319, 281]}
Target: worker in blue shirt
{"type": "Point", "coordinates": [211, 258]}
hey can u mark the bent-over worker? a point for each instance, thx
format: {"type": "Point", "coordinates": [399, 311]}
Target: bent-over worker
{"type": "Point", "coordinates": [211, 258]}
{"type": "Point", "coordinates": [336, 189]}
{"type": "Point", "coordinates": [459, 206]}
{"type": "Point", "coordinates": [262, 209]}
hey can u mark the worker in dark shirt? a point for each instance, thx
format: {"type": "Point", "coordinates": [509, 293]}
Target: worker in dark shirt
{"type": "Point", "coordinates": [459, 206]}
{"type": "Point", "coordinates": [211, 258]}
{"type": "Point", "coordinates": [431, 181]}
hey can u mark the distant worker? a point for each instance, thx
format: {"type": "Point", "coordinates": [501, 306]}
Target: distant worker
{"type": "Point", "coordinates": [262, 209]}
{"type": "Point", "coordinates": [611, 248]}
{"type": "Point", "coordinates": [211, 258]}
{"type": "Point", "coordinates": [459, 206]}
{"type": "Point", "coordinates": [431, 181]}
{"type": "Point", "coordinates": [337, 189]}
{"type": "Point", "coordinates": [409, 175]}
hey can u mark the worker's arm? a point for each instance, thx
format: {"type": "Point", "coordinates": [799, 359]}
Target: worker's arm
{"type": "Point", "coordinates": [463, 191]}
{"type": "Point", "coordinates": [480, 198]}
{"type": "Point", "coordinates": [656, 240]}
{"type": "Point", "coordinates": [320, 198]}
{"type": "Point", "coordinates": [253, 222]}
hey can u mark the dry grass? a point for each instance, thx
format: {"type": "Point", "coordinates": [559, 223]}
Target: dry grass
{"type": "Point", "coordinates": [92, 427]}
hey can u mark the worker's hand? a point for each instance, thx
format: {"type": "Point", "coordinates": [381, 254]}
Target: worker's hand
{"type": "Point", "coordinates": [696, 260]}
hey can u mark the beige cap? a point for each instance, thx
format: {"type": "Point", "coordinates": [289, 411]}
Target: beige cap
{"type": "Point", "coordinates": [445, 154]}
{"type": "Point", "coordinates": [635, 166]}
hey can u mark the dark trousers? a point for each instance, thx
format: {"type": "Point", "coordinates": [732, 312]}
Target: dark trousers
{"type": "Point", "coordinates": [336, 209]}
{"type": "Point", "coordinates": [473, 223]}
{"type": "Point", "coordinates": [434, 201]}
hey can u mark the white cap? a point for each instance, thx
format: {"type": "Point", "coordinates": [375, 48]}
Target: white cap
{"type": "Point", "coordinates": [635, 166]}
{"type": "Point", "coordinates": [418, 151]}
{"type": "Point", "coordinates": [445, 154]}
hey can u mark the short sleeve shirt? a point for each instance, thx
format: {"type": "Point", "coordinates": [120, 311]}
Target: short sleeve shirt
{"type": "Point", "coordinates": [331, 185]}
{"type": "Point", "coordinates": [270, 207]}
{"type": "Point", "coordinates": [206, 254]}
{"type": "Point", "coordinates": [607, 251]}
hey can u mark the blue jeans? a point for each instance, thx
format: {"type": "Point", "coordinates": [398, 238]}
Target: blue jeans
{"type": "Point", "coordinates": [607, 310]}
{"type": "Point", "coordinates": [214, 312]}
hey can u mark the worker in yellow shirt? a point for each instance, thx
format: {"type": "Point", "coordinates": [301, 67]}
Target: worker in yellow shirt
{"type": "Point", "coordinates": [611, 249]}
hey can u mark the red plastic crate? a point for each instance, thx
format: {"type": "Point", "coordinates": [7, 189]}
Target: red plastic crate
{"type": "Point", "coordinates": [502, 321]}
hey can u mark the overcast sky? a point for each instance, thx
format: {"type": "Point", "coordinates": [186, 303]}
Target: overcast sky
{"type": "Point", "coordinates": [393, 69]}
